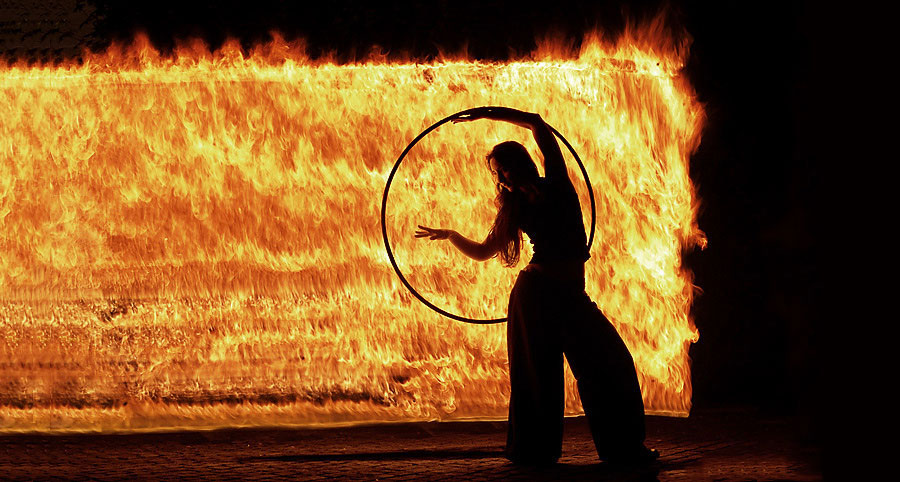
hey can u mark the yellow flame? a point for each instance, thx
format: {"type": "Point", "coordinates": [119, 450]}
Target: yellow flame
{"type": "Point", "coordinates": [193, 241]}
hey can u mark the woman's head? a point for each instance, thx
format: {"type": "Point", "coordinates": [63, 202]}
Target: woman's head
{"type": "Point", "coordinates": [512, 165]}
{"type": "Point", "coordinates": [515, 173]}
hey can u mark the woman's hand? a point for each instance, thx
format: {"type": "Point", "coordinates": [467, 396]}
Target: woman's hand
{"type": "Point", "coordinates": [434, 234]}
{"type": "Point", "coordinates": [505, 114]}
{"type": "Point", "coordinates": [474, 114]}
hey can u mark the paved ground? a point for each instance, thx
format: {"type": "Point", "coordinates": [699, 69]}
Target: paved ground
{"type": "Point", "coordinates": [719, 446]}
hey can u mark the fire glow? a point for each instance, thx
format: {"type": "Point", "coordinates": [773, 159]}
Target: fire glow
{"type": "Point", "coordinates": [193, 241]}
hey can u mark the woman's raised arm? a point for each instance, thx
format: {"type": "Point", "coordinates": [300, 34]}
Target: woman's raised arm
{"type": "Point", "coordinates": [554, 165]}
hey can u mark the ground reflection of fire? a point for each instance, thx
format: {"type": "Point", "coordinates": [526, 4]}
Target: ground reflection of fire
{"type": "Point", "coordinates": [193, 241]}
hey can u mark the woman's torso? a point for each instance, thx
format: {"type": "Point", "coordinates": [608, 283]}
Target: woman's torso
{"type": "Point", "coordinates": [551, 217]}
{"type": "Point", "coordinates": [570, 273]}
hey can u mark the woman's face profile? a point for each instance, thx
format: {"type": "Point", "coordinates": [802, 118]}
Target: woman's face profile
{"type": "Point", "coordinates": [501, 175]}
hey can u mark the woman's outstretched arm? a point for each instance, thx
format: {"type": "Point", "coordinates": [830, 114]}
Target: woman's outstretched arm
{"type": "Point", "coordinates": [473, 249]}
{"type": "Point", "coordinates": [554, 165]}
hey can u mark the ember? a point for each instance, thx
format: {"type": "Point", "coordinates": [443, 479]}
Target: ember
{"type": "Point", "coordinates": [193, 240]}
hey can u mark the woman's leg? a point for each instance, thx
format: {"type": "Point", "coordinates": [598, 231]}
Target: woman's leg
{"type": "Point", "coordinates": [537, 394]}
{"type": "Point", "coordinates": [607, 380]}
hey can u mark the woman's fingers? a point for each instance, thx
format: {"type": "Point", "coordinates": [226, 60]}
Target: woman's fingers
{"type": "Point", "coordinates": [432, 233]}
{"type": "Point", "coordinates": [473, 114]}
{"type": "Point", "coordinates": [495, 113]}
{"type": "Point", "coordinates": [426, 232]}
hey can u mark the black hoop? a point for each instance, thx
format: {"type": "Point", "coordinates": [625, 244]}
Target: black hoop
{"type": "Point", "coordinates": [387, 188]}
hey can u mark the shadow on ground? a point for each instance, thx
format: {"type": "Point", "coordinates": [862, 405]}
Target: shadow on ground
{"type": "Point", "coordinates": [727, 445]}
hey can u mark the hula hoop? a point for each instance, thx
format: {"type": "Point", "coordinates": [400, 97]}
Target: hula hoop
{"type": "Point", "coordinates": [387, 188]}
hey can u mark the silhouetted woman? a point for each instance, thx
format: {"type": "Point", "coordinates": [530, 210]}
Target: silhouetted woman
{"type": "Point", "coordinates": [549, 312]}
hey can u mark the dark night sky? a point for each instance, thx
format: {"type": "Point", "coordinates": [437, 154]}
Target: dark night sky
{"type": "Point", "coordinates": [753, 66]}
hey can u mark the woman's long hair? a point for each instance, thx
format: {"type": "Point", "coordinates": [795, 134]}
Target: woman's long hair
{"type": "Point", "coordinates": [513, 158]}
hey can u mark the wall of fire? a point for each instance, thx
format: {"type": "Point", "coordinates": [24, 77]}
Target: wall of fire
{"type": "Point", "coordinates": [96, 340]}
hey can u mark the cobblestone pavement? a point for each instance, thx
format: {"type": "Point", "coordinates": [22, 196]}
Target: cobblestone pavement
{"type": "Point", "coordinates": [715, 446]}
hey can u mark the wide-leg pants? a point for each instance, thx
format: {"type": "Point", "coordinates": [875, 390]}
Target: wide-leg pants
{"type": "Point", "coordinates": [547, 319]}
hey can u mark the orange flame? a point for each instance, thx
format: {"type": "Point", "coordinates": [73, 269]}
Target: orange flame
{"type": "Point", "coordinates": [192, 241]}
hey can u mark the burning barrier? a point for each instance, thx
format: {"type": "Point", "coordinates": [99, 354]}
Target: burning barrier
{"type": "Point", "coordinates": [193, 241]}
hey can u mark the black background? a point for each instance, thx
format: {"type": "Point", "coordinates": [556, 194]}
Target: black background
{"type": "Point", "coordinates": [758, 168]}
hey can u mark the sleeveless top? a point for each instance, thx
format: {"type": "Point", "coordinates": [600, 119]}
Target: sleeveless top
{"type": "Point", "coordinates": [553, 222]}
